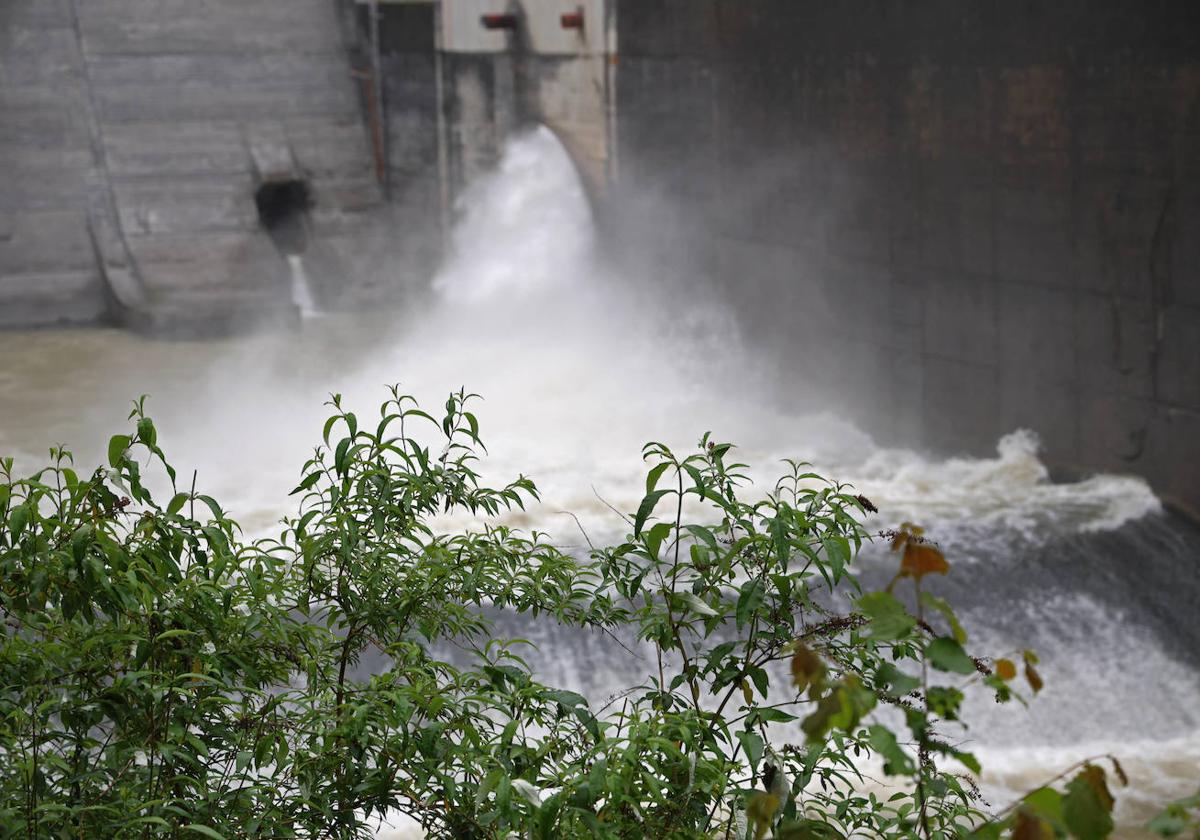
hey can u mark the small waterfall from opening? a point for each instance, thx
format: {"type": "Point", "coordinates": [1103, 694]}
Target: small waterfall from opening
{"type": "Point", "coordinates": [302, 295]}
{"type": "Point", "coordinates": [524, 230]}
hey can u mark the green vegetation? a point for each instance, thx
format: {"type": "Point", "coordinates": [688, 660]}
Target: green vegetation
{"type": "Point", "coordinates": [160, 675]}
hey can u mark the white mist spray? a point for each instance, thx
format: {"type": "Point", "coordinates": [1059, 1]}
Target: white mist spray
{"type": "Point", "coordinates": [525, 228]}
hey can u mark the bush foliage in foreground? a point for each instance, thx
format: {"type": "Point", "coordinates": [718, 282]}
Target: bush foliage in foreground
{"type": "Point", "coordinates": [162, 676]}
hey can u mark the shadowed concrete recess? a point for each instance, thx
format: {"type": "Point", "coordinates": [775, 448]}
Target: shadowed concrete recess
{"type": "Point", "coordinates": [962, 216]}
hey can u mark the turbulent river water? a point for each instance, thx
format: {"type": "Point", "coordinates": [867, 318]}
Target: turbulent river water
{"type": "Point", "coordinates": [578, 368]}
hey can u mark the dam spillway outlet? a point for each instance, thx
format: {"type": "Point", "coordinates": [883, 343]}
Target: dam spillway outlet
{"type": "Point", "coordinates": [282, 206]}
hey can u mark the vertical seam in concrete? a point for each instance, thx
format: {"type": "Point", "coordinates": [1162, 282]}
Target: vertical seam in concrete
{"type": "Point", "coordinates": [440, 126]}
{"type": "Point", "coordinates": [611, 47]}
{"type": "Point", "coordinates": [100, 160]}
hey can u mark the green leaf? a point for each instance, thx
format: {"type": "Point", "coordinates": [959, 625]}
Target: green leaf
{"type": "Point", "coordinates": [896, 762]}
{"type": "Point", "coordinates": [528, 792]}
{"type": "Point", "coordinates": [945, 654]}
{"type": "Point", "coordinates": [695, 604]}
{"type": "Point", "coordinates": [1175, 819]}
{"type": "Point", "coordinates": [212, 505]}
{"type": "Point", "coordinates": [177, 502]}
{"type": "Point", "coordinates": [943, 606]}
{"type": "Point", "coordinates": [945, 701]}
{"type": "Point", "coordinates": [889, 619]}
{"type": "Point", "coordinates": [808, 829]}
{"type": "Point", "coordinates": [173, 634]}
{"type": "Point", "coordinates": [647, 508]}
{"type": "Point", "coordinates": [117, 444]}
{"type": "Point", "coordinates": [655, 536]}
{"type": "Point", "coordinates": [328, 428]}
{"type": "Point", "coordinates": [205, 830]}
{"type": "Point", "coordinates": [779, 537]}
{"type": "Point", "coordinates": [341, 461]}
{"type": "Point", "coordinates": [772, 715]}
{"type": "Point", "coordinates": [80, 541]}
{"type": "Point", "coordinates": [987, 831]}
{"type": "Point", "coordinates": [752, 745]}
{"type": "Point", "coordinates": [306, 483]}
{"type": "Point", "coordinates": [1084, 811]}
{"type": "Point", "coordinates": [837, 550]}
{"type": "Point", "coordinates": [655, 474]}
{"type": "Point", "coordinates": [17, 520]}
{"type": "Point", "coordinates": [749, 601]}
{"type": "Point", "coordinates": [1047, 803]}
{"type": "Point", "coordinates": [145, 431]}
{"type": "Point", "coordinates": [841, 708]}
{"type": "Point", "coordinates": [1170, 823]}
{"type": "Point", "coordinates": [898, 682]}
{"type": "Point", "coordinates": [150, 821]}
{"type": "Point", "coordinates": [968, 760]}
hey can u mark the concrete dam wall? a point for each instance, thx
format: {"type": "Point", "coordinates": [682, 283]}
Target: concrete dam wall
{"type": "Point", "coordinates": [134, 136]}
{"type": "Point", "coordinates": [972, 216]}
{"type": "Point", "coordinates": [960, 217]}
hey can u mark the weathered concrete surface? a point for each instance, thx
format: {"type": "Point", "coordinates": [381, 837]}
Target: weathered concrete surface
{"type": "Point", "coordinates": [965, 216]}
{"type": "Point", "coordinates": [496, 81]}
{"type": "Point", "coordinates": [135, 132]}
{"type": "Point", "coordinates": [151, 123]}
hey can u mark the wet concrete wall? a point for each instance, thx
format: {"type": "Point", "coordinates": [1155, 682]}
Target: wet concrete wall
{"type": "Point", "coordinates": [961, 217]}
{"type": "Point", "coordinates": [133, 134]}
{"type": "Point", "coordinates": [497, 81]}
{"type": "Point", "coordinates": [409, 67]}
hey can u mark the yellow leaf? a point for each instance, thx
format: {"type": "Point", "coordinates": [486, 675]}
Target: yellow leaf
{"type": "Point", "coordinates": [1033, 677]}
{"type": "Point", "coordinates": [747, 692]}
{"type": "Point", "coordinates": [1031, 827]}
{"type": "Point", "coordinates": [807, 667]}
{"type": "Point", "coordinates": [1005, 669]}
{"type": "Point", "coordinates": [1097, 781]}
{"type": "Point", "coordinates": [922, 559]}
{"type": "Point", "coordinates": [759, 810]}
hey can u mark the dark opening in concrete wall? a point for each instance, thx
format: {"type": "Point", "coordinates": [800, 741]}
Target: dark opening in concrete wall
{"type": "Point", "coordinates": [282, 209]}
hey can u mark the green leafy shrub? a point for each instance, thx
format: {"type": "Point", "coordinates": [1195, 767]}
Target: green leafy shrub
{"type": "Point", "coordinates": [1180, 818]}
{"type": "Point", "coordinates": [161, 675]}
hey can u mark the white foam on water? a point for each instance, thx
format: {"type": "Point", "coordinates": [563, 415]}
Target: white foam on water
{"type": "Point", "coordinates": [1009, 493]}
{"type": "Point", "coordinates": [1159, 771]}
